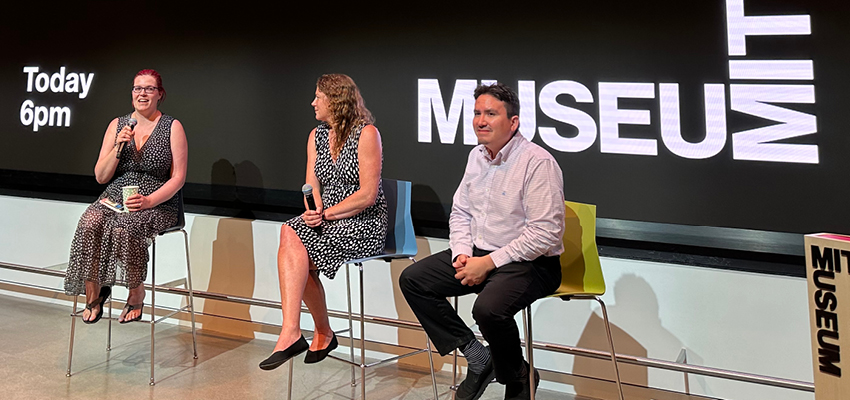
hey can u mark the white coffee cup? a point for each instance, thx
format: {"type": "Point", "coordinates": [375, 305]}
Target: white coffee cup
{"type": "Point", "coordinates": [127, 191]}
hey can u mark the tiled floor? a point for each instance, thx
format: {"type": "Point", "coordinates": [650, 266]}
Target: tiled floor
{"type": "Point", "coordinates": [34, 355]}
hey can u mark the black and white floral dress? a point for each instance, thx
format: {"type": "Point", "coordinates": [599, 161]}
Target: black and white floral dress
{"type": "Point", "coordinates": [111, 248]}
{"type": "Point", "coordinates": [358, 236]}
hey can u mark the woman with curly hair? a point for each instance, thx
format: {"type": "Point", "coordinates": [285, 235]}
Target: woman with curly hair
{"type": "Point", "coordinates": [350, 220]}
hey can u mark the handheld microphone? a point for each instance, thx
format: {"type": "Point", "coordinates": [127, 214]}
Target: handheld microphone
{"type": "Point", "coordinates": [307, 189]}
{"type": "Point", "coordinates": [132, 124]}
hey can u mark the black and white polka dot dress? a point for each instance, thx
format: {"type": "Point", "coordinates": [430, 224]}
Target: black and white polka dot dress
{"type": "Point", "coordinates": [358, 236]}
{"type": "Point", "coordinates": [111, 248]}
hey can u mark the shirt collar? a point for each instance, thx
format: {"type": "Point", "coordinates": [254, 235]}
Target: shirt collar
{"type": "Point", "coordinates": [506, 152]}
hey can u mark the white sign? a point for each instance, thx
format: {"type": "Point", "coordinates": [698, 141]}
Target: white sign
{"type": "Point", "coordinates": [59, 82]}
{"type": "Point", "coordinates": [767, 143]}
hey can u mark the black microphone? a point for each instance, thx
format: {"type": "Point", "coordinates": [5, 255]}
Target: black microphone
{"type": "Point", "coordinates": [132, 124]}
{"type": "Point", "coordinates": [307, 189]}
{"type": "Point", "coordinates": [308, 195]}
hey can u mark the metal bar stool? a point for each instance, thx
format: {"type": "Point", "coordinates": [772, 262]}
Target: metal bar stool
{"type": "Point", "coordinates": [178, 227]}
{"type": "Point", "coordinates": [581, 277]}
{"type": "Point", "coordinates": [400, 244]}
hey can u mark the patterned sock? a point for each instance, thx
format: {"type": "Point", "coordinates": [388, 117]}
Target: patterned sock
{"type": "Point", "coordinates": [476, 356]}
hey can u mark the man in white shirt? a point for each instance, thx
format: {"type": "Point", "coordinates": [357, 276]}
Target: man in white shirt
{"type": "Point", "coordinates": [506, 225]}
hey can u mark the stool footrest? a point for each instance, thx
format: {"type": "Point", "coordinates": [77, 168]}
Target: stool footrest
{"type": "Point", "coordinates": [171, 314]}
{"type": "Point", "coordinates": [377, 363]}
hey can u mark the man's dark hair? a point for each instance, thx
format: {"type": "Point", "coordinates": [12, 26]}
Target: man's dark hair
{"type": "Point", "coordinates": [503, 93]}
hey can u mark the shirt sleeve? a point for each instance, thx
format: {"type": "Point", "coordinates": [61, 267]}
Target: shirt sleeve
{"type": "Point", "coordinates": [460, 229]}
{"type": "Point", "coordinates": [543, 204]}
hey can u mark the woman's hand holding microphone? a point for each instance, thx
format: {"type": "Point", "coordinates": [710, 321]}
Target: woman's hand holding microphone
{"type": "Point", "coordinates": [312, 218]}
{"type": "Point", "coordinates": [124, 136]}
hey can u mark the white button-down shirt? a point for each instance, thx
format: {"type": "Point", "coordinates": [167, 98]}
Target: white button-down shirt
{"type": "Point", "coordinates": [512, 204]}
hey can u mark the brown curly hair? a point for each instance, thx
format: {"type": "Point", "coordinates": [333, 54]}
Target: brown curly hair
{"type": "Point", "coordinates": [346, 106]}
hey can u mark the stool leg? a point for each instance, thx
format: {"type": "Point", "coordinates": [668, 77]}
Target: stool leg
{"type": "Point", "coordinates": [153, 306]}
{"type": "Point", "coordinates": [454, 364]}
{"type": "Point", "coordinates": [431, 356]}
{"type": "Point", "coordinates": [289, 390]}
{"type": "Point", "coordinates": [191, 294]}
{"type": "Point", "coordinates": [350, 323]}
{"type": "Point", "coordinates": [611, 343]}
{"type": "Point", "coordinates": [71, 344]}
{"type": "Point", "coordinates": [109, 329]}
{"type": "Point", "coordinates": [529, 348]}
{"type": "Point", "coordinates": [431, 362]}
{"type": "Point", "coordinates": [362, 338]}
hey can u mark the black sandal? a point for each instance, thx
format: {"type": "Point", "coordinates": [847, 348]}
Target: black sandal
{"type": "Point", "coordinates": [130, 307]}
{"type": "Point", "coordinates": [105, 291]}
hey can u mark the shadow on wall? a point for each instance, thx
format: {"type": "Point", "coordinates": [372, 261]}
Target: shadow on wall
{"type": "Point", "coordinates": [635, 308]}
{"type": "Point", "coordinates": [236, 186]}
{"type": "Point", "coordinates": [426, 208]}
{"type": "Point", "coordinates": [410, 337]}
{"type": "Point", "coordinates": [225, 250]}
{"type": "Point", "coordinates": [428, 212]}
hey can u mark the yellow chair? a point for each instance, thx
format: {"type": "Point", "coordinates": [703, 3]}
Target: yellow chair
{"type": "Point", "coordinates": [581, 276]}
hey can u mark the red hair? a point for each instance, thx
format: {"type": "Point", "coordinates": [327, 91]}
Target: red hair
{"type": "Point", "coordinates": [158, 78]}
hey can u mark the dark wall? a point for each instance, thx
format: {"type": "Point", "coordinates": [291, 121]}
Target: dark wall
{"type": "Point", "coordinates": [241, 79]}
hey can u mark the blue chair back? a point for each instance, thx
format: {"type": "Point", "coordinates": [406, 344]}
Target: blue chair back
{"type": "Point", "coordinates": [400, 241]}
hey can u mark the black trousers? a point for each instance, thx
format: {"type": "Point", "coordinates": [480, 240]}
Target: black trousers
{"type": "Point", "coordinates": [506, 291]}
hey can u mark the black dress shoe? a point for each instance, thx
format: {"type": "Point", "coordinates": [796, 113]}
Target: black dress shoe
{"type": "Point", "coordinates": [520, 390]}
{"type": "Point", "coordinates": [313, 357]}
{"type": "Point", "coordinates": [278, 358]}
{"type": "Point", "coordinates": [473, 386]}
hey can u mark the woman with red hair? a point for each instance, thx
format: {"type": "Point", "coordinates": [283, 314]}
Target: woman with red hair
{"type": "Point", "coordinates": [145, 148]}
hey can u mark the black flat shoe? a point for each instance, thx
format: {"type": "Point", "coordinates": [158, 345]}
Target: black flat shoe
{"type": "Point", "coordinates": [105, 291]}
{"type": "Point", "coordinates": [278, 358]}
{"type": "Point", "coordinates": [313, 357]}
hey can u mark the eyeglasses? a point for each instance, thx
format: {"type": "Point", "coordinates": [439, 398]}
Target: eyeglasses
{"type": "Point", "coordinates": [148, 89]}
